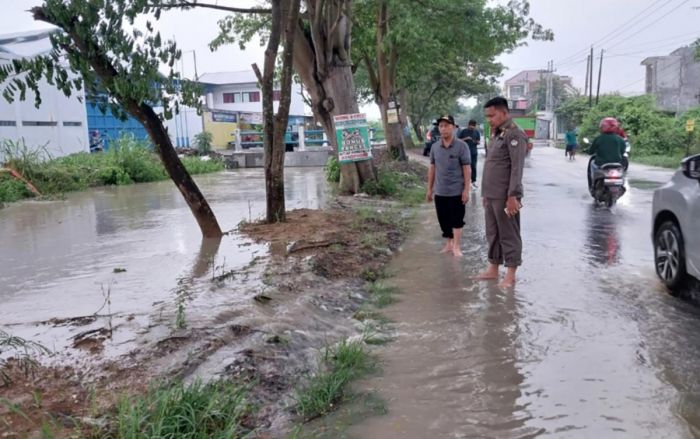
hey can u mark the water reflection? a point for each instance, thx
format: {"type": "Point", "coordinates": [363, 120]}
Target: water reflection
{"type": "Point", "coordinates": [602, 244]}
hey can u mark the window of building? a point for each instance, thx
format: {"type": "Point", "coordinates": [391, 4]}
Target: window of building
{"type": "Point", "coordinates": [516, 91]}
{"type": "Point", "coordinates": [38, 123]}
{"type": "Point", "coordinates": [238, 97]}
{"type": "Point", "coordinates": [8, 123]}
{"type": "Point", "coordinates": [72, 124]}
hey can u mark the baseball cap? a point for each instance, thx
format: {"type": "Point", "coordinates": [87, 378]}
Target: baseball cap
{"type": "Point", "coordinates": [446, 118]}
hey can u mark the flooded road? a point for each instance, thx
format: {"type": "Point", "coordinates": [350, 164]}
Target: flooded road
{"type": "Point", "coordinates": [128, 255]}
{"type": "Point", "coordinates": [588, 345]}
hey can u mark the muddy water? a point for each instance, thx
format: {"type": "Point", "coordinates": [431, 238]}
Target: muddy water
{"type": "Point", "coordinates": [587, 345]}
{"type": "Point", "coordinates": [58, 259]}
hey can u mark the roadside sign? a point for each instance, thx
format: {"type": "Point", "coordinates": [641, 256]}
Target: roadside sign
{"type": "Point", "coordinates": [690, 125]}
{"type": "Point", "coordinates": [352, 133]}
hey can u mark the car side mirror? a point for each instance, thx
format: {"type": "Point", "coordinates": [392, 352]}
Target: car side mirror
{"type": "Point", "coordinates": [691, 167]}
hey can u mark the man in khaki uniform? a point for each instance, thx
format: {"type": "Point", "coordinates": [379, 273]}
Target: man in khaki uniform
{"type": "Point", "coordinates": [502, 190]}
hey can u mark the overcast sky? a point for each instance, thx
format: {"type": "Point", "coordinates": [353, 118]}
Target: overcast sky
{"type": "Point", "coordinates": [628, 30]}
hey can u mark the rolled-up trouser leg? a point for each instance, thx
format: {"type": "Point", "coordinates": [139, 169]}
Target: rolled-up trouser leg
{"type": "Point", "coordinates": [474, 158]}
{"type": "Point", "coordinates": [450, 212]}
{"type": "Point", "coordinates": [511, 244]}
{"type": "Point", "coordinates": [444, 215]}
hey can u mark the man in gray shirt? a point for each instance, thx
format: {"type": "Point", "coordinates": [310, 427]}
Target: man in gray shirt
{"type": "Point", "coordinates": [449, 183]}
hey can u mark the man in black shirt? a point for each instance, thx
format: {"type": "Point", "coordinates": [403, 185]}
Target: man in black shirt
{"type": "Point", "coordinates": [472, 137]}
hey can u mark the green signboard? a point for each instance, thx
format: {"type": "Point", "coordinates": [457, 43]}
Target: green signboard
{"type": "Point", "coordinates": [352, 133]}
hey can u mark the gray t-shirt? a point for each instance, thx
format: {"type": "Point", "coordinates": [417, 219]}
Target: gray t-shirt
{"type": "Point", "coordinates": [448, 161]}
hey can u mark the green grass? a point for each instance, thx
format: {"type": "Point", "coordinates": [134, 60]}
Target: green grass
{"type": "Point", "coordinates": [195, 411]}
{"type": "Point", "coordinates": [382, 295]}
{"type": "Point", "coordinates": [402, 186]}
{"type": "Point", "coordinates": [664, 161]}
{"type": "Point", "coordinates": [128, 161]}
{"type": "Point", "coordinates": [340, 365]}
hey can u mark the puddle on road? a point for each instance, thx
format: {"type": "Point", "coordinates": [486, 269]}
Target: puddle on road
{"type": "Point", "coordinates": [587, 345]}
{"type": "Point", "coordinates": [127, 258]}
{"type": "Point", "coordinates": [644, 184]}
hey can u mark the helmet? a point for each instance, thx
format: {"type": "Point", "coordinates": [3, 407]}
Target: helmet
{"type": "Point", "coordinates": [609, 125]}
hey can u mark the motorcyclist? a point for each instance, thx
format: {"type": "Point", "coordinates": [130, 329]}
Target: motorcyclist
{"type": "Point", "coordinates": [434, 137]}
{"type": "Point", "coordinates": [608, 147]}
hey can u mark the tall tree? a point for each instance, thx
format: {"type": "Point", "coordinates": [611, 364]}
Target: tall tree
{"type": "Point", "coordinates": [449, 51]}
{"type": "Point", "coordinates": [101, 45]}
{"type": "Point", "coordinates": [321, 60]}
{"type": "Point", "coordinates": [275, 125]}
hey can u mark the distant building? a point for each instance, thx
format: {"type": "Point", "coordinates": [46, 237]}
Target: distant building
{"type": "Point", "coordinates": [674, 80]}
{"type": "Point", "coordinates": [520, 89]}
{"type": "Point", "coordinates": [234, 101]}
{"type": "Point", "coordinates": [60, 123]}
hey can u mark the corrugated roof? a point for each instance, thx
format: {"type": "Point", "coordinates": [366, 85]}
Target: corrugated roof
{"type": "Point", "coordinates": [26, 44]}
{"type": "Point", "coordinates": [222, 78]}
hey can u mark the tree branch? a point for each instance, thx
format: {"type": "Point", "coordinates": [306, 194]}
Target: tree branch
{"type": "Point", "coordinates": [196, 4]}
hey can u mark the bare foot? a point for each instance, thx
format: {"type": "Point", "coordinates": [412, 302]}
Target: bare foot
{"type": "Point", "coordinates": [447, 248]}
{"type": "Point", "coordinates": [486, 275]}
{"type": "Point", "coordinates": [457, 252]}
{"type": "Point", "coordinates": [507, 282]}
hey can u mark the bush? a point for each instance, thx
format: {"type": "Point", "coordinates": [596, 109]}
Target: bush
{"type": "Point", "coordinates": [203, 142]}
{"type": "Point", "coordinates": [127, 161]}
{"type": "Point", "coordinates": [13, 190]}
{"type": "Point", "coordinates": [333, 169]}
{"type": "Point", "coordinates": [651, 132]}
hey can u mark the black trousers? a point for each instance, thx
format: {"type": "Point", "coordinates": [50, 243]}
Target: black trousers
{"type": "Point", "coordinates": [450, 213]}
{"type": "Point", "coordinates": [475, 156]}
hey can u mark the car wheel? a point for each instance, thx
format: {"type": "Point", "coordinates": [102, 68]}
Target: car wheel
{"type": "Point", "coordinates": [669, 256]}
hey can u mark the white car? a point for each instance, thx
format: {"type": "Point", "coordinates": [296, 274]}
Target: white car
{"type": "Point", "coordinates": [676, 227]}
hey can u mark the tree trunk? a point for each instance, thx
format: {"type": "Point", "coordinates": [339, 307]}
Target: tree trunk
{"type": "Point", "coordinates": [275, 125]}
{"type": "Point", "coordinates": [386, 74]}
{"type": "Point", "coordinates": [418, 130]}
{"type": "Point", "coordinates": [325, 69]}
{"type": "Point", "coordinates": [274, 174]}
{"type": "Point", "coordinates": [340, 88]}
{"type": "Point", "coordinates": [176, 170]}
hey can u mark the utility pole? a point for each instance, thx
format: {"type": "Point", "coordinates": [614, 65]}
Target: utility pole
{"type": "Point", "coordinates": [590, 80]}
{"type": "Point", "coordinates": [600, 72]}
{"type": "Point", "coordinates": [588, 68]}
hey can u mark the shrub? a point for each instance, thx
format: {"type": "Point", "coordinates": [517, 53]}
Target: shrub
{"type": "Point", "coordinates": [333, 169]}
{"type": "Point", "coordinates": [203, 142]}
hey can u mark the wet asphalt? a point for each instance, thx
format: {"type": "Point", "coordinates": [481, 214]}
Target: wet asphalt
{"type": "Point", "coordinates": [587, 345]}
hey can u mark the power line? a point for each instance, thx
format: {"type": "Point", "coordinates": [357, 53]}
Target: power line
{"type": "Point", "coordinates": [659, 71]}
{"type": "Point", "coordinates": [644, 28]}
{"type": "Point", "coordinates": [614, 31]}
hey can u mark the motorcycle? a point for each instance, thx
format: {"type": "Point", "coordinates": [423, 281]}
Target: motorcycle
{"type": "Point", "coordinates": [626, 155]}
{"type": "Point", "coordinates": [607, 183]}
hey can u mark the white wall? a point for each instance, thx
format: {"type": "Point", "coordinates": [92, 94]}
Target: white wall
{"type": "Point", "coordinates": [183, 126]}
{"type": "Point", "coordinates": [56, 108]}
{"type": "Point", "coordinates": [296, 108]}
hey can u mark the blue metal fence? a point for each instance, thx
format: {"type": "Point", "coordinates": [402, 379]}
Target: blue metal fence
{"type": "Point", "coordinates": [110, 127]}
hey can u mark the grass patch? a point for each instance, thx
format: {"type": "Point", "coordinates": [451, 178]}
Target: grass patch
{"type": "Point", "coordinates": [370, 274]}
{"type": "Point", "coordinates": [213, 410]}
{"type": "Point", "coordinates": [382, 295]}
{"type": "Point", "coordinates": [340, 365]}
{"type": "Point", "coordinates": [128, 161]}
{"type": "Point", "coordinates": [375, 240]}
{"type": "Point", "coordinates": [664, 161]}
{"type": "Point", "coordinates": [402, 186]}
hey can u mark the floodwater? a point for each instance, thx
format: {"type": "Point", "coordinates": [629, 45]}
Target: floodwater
{"type": "Point", "coordinates": [588, 345]}
{"type": "Point", "coordinates": [61, 262]}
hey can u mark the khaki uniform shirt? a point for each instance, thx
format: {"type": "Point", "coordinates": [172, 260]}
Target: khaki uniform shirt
{"type": "Point", "coordinates": [503, 168]}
